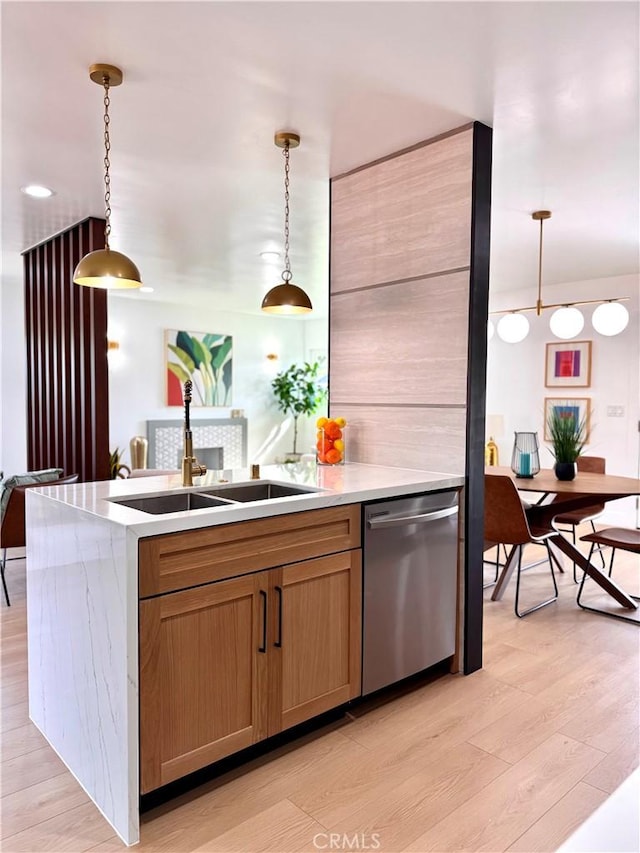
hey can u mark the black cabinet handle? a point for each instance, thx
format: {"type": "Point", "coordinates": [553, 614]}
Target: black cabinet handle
{"type": "Point", "coordinates": [263, 647]}
{"type": "Point", "coordinates": [278, 642]}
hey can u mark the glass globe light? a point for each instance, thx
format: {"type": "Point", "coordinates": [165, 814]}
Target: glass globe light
{"type": "Point", "coordinates": [513, 328]}
{"type": "Point", "coordinates": [490, 330]}
{"type": "Point", "coordinates": [610, 319]}
{"type": "Point", "coordinates": [566, 323]}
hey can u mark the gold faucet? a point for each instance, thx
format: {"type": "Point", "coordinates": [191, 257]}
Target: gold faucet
{"type": "Point", "coordinates": [190, 466]}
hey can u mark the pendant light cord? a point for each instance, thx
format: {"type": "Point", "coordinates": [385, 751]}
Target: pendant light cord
{"type": "Point", "coordinates": [539, 302]}
{"type": "Point", "coordinates": [286, 273]}
{"type": "Point", "coordinates": [107, 164]}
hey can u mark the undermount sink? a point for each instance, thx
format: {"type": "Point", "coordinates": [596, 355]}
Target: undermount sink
{"type": "Point", "coordinates": [210, 498]}
{"type": "Point", "coordinates": [245, 492]}
{"type": "Point", "coordinates": [162, 504]}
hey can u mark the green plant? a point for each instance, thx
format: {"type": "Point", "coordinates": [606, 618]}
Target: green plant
{"type": "Point", "coordinates": [116, 465]}
{"type": "Point", "coordinates": [298, 392]}
{"type": "Point", "coordinates": [567, 435]}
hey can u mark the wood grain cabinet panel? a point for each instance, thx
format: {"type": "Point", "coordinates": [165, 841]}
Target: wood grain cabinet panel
{"type": "Point", "coordinates": [431, 439]}
{"type": "Point", "coordinates": [202, 676]}
{"type": "Point", "coordinates": [403, 217]}
{"type": "Point", "coordinates": [228, 663]}
{"type": "Point", "coordinates": [180, 560]}
{"type": "Point", "coordinates": [418, 327]}
{"type": "Point", "coordinates": [317, 660]}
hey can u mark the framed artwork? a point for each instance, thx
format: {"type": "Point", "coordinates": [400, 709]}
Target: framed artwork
{"type": "Point", "coordinates": [568, 365]}
{"type": "Point", "coordinates": [206, 359]}
{"type": "Point", "coordinates": [576, 408]}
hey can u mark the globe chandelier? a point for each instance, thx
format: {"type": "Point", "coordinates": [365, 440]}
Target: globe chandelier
{"type": "Point", "coordinates": [567, 321]}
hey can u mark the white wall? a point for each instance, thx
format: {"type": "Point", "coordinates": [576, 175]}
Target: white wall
{"type": "Point", "coordinates": [137, 374]}
{"type": "Point", "coordinates": [516, 389]}
{"type": "Point", "coordinates": [13, 373]}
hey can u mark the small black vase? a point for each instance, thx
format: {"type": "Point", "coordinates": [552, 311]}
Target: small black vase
{"type": "Point", "coordinates": [565, 470]}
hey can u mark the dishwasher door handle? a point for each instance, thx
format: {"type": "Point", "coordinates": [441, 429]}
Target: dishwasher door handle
{"type": "Point", "coordinates": [424, 518]}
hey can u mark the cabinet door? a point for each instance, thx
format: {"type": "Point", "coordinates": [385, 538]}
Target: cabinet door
{"type": "Point", "coordinates": [203, 659]}
{"type": "Point", "coordinates": [317, 630]}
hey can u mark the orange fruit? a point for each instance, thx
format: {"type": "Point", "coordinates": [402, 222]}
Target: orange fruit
{"type": "Point", "coordinates": [333, 430]}
{"type": "Point", "coordinates": [322, 458]}
{"type": "Point", "coordinates": [341, 422]}
{"type": "Point", "coordinates": [321, 422]}
{"type": "Point", "coordinates": [333, 456]}
{"type": "Point", "coordinates": [339, 444]}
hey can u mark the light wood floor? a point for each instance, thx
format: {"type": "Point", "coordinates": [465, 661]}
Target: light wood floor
{"type": "Point", "coordinates": [514, 757]}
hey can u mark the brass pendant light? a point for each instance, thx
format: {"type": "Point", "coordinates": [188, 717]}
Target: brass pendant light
{"type": "Point", "coordinates": [286, 298]}
{"type": "Point", "coordinates": [106, 268]}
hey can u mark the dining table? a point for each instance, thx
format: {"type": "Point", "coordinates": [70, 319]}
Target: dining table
{"type": "Point", "coordinates": [561, 496]}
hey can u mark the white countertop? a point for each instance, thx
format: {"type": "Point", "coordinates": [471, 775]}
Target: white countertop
{"type": "Point", "coordinates": [340, 484]}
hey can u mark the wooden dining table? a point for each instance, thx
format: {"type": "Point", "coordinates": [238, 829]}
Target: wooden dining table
{"type": "Point", "coordinates": [585, 490]}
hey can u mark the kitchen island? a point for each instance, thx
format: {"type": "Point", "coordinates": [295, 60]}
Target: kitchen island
{"type": "Point", "coordinates": [106, 581]}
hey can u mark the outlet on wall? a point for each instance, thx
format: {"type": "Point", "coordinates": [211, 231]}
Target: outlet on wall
{"type": "Point", "coordinates": [615, 411]}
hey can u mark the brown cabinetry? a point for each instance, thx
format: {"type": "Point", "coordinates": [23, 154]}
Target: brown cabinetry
{"type": "Point", "coordinates": [200, 677]}
{"type": "Point", "coordinates": [231, 662]}
{"type": "Point", "coordinates": [319, 659]}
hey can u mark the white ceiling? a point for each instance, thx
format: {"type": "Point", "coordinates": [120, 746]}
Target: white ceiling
{"type": "Point", "coordinates": [197, 182]}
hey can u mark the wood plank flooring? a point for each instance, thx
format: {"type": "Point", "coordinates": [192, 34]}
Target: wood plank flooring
{"type": "Point", "coordinates": [514, 757]}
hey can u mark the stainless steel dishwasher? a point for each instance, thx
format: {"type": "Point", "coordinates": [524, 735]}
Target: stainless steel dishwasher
{"type": "Point", "coordinates": [410, 578]}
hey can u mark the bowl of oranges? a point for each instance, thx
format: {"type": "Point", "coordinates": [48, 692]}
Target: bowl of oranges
{"type": "Point", "coordinates": [330, 445]}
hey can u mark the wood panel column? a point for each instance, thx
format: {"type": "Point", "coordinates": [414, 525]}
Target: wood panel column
{"type": "Point", "coordinates": [409, 289]}
{"type": "Point", "coordinates": [67, 376]}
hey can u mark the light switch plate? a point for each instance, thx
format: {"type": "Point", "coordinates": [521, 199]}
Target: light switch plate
{"type": "Point", "coordinates": [615, 411]}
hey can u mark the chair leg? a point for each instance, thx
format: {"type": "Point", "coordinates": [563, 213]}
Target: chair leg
{"type": "Point", "coordinates": [613, 553]}
{"type": "Point", "coordinates": [3, 564]}
{"type": "Point", "coordinates": [542, 603]}
{"type": "Point", "coordinates": [604, 562]}
{"type": "Point", "coordinates": [573, 535]}
{"type": "Point", "coordinates": [597, 609]}
{"type": "Point", "coordinates": [496, 566]}
{"type": "Point", "coordinates": [507, 571]}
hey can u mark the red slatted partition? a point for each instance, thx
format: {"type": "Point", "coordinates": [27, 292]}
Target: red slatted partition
{"type": "Point", "coordinates": [67, 378]}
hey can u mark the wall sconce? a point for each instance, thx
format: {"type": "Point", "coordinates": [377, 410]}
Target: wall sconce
{"type": "Point", "coordinates": [115, 356]}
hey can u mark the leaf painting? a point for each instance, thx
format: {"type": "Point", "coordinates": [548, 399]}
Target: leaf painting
{"type": "Point", "coordinates": [204, 358]}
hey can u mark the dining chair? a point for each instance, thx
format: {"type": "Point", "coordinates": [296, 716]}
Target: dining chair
{"type": "Point", "coordinates": [505, 522]}
{"type": "Point", "coordinates": [623, 538]}
{"type": "Point", "coordinates": [568, 522]}
{"type": "Point", "coordinates": [12, 523]}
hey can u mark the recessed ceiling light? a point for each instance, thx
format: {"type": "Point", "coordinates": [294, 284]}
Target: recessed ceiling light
{"type": "Point", "coordinates": [146, 289]}
{"type": "Point", "coordinates": [37, 191]}
{"type": "Point", "coordinates": [270, 256]}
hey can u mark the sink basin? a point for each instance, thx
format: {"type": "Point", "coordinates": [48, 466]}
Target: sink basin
{"type": "Point", "coordinates": [262, 491]}
{"type": "Point", "coordinates": [210, 498]}
{"type": "Point", "coordinates": [162, 504]}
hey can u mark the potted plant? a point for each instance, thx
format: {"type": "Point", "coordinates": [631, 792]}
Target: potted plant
{"type": "Point", "coordinates": [298, 392]}
{"type": "Point", "coordinates": [117, 466]}
{"type": "Point", "coordinates": [568, 438]}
